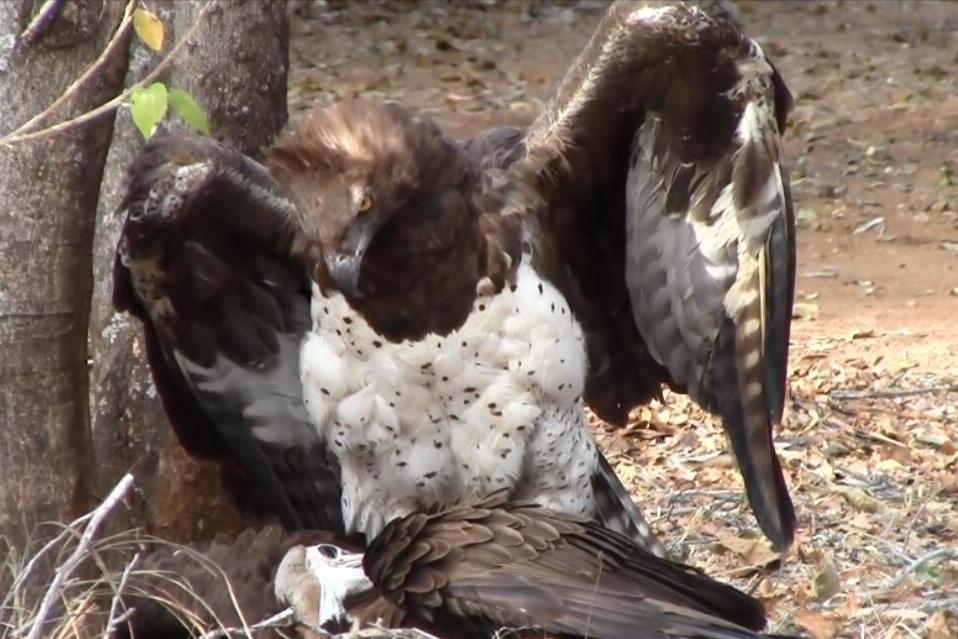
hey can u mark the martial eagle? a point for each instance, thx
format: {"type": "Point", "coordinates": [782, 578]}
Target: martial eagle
{"type": "Point", "coordinates": [384, 318]}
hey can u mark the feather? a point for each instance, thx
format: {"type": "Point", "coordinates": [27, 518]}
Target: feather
{"type": "Point", "coordinates": [688, 280]}
{"type": "Point", "coordinates": [207, 262]}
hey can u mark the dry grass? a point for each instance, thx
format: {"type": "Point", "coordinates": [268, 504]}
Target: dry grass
{"type": "Point", "coordinates": [76, 586]}
{"type": "Point", "coordinates": [69, 585]}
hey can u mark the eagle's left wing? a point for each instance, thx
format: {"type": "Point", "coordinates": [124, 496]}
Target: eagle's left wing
{"type": "Point", "coordinates": [210, 261]}
{"type": "Point", "coordinates": [666, 193]}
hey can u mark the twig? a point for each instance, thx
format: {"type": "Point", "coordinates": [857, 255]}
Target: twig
{"type": "Point", "coordinates": [41, 22]}
{"type": "Point", "coordinates": [53, 543]}
{"type": "Point", "coordinates": [116, 621]}
{"type": "Point", "coordinates": [404, 633]}
{"type": "Point", "coordinates": [92, 69]}
{"type": "Point", "coordinates": [892, 393]}
{"type": "Point", "coordinates": [113, 620]}
{"type": "Point", "coordinates": [282, 619]}
{"type": "Point", "coordinates": [112, 104]}
{"type": "Point", "coordinates": [54, 591]}
{"type": "Point", "coordinates": [941, 553]}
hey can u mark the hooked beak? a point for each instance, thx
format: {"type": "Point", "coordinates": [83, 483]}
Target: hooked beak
{"type": "Point", "coordinates": [345, 265]}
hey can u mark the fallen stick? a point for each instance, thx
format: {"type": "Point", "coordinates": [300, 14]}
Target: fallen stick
{"type": "Point", "coordinates": [54, 592]}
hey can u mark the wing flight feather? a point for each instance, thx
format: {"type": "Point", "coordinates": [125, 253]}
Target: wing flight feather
{"type": "Point", "coordinates": [208, 262]}
{"type": "Point", "coordinates": [666, 133]}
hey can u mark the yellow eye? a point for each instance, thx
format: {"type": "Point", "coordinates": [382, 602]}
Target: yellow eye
{"type": "Point", "coordinates": [365, 203]}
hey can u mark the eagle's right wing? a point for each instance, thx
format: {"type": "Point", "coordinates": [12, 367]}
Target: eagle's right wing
{"type": "Point", "coordinates": [660, 165]}
{"type": "Point", "coordinates": [210, 261]}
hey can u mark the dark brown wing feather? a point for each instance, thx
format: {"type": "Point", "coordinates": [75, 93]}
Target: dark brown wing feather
{"type": "Point", "coordinates": [688, 279]}
{"type": "Point", "coordinates": [483, 565]}
{"type": "Point", "coordinates": [207, 262]}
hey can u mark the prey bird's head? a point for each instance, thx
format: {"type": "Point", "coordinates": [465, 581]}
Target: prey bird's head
{"type": "Point", "coordinates": [359, 169]}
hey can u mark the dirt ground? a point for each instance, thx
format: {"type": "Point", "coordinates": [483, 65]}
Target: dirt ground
{"type": "Point", "coordinates": [870, 438]}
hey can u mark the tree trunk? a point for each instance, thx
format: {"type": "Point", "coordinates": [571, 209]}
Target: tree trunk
{"type": "Point", "coordinates": [235, 67]}
{"type": "Point", "coordinates": [48, 191]}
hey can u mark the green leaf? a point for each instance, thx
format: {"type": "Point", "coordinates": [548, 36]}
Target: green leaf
{"type": "Point", "coordinates": [148, 107]}
{"type": "Point", "coordinates": [191, 112]}
{"type": "Point", "coordinates": [149, 28]}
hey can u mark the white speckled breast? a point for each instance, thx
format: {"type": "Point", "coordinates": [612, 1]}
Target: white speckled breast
{"type": "Point", "coordinates": [496, 403]}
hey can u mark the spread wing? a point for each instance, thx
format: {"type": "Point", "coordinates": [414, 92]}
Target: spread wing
{"type": "Point", "coordinates": [489, 565]}
{"type": "Point", "coordinates": [668, 197]}
{"type": "Point", "coordinates": [207, 261]}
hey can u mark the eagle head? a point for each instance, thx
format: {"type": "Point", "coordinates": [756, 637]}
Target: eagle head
{"type": "Point", "coordinates": [359, 170]}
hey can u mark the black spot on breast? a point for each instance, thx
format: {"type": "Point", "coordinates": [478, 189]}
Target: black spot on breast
{"type": "Point", "coordinates": [482, 307]}
{"type": "Point", "coordinates": [349, 320]}
{"type": "Point", "coordinates": [513, 287]}
{"type": "Point", "coordinates": [377, 343]}
{"type": "Point", "coordinates": [402, 464]}
{"type": "Point", "coordinates": [438, 445]}
{"type": "Point", "coordinates": [445, 378]}
{"type": "Point", "coordinates": [430, 474]}
{"type": "Point", "coordinates": [540, 288]}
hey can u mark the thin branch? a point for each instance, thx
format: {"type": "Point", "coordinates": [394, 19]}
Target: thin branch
{"type": "Point", "coordinates": [53, 543]}
{"type": "Point", "coordinates": [83, 547]}
{"type": "Point", "coordinates": [282, 619]}
{"type": "Point", "coordinates": [890, 393]}
{"type": "Point", "coordinates": [114, 620]}
{"type": "Point", "coordinates": [114, 103]}
{"type": "Point", "coordinates": [91, 70]}
{"type": "Point", "coordinates": [41, 22]}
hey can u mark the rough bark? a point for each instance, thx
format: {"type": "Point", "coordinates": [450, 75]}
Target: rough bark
{"type": "Point", "coordinates": [235, 67]}
{"type": "Point", "coordinates": [48, 191]}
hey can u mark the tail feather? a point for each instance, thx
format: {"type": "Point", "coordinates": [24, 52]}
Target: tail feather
{"type": "Point", "coordinates": [616, 510]}
{"type": "Point", "coordinates": [738, 374]}
{"type": "Point", "coordinates": [779, 257]}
